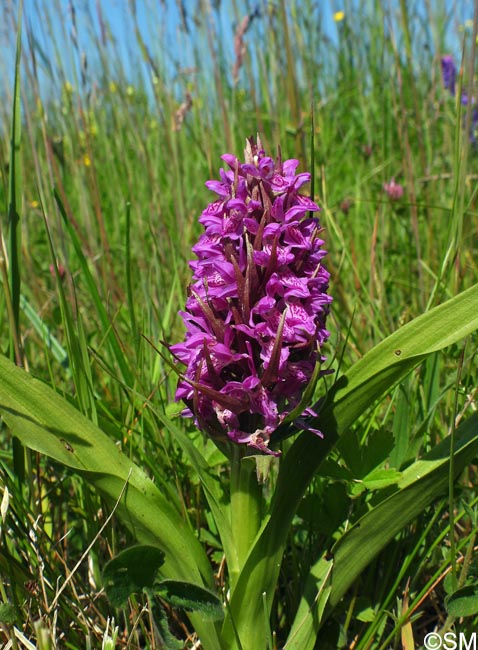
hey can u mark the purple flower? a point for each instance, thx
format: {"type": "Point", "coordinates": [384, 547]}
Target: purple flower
{"type": "Point", "coordinates": [448, 71]}
{"type": "Point", "coordinates": [394, 190]}
{"type": "Point", "coordinates": [449, 76]}
{"type": "Point", "coordinates": [474, 127]}
{"type": "Point", "coordinates": [257, 306]}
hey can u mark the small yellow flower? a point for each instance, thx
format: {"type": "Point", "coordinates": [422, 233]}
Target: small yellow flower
{"type": "Point", "coordinates": [34, 204]}
{"type": "Point", "coordinates": [68, 87]}
{"type": "Point", "coordinates": [86, 160]}
{"type": "Point", "coordinates": [338, 16]}
{"type": "Point", "coordinates": [113, 87]}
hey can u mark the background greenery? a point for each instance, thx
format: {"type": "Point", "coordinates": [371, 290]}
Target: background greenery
{"type": "Point", "coordinates": [113, 158]}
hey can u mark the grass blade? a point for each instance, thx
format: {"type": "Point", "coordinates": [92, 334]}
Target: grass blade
{"type": "Point", "coordinates": [110, 334]}
{"type": "Point", "coordinates": [15, 197]}
{"type": "Point", "coordinates": [421, 484]}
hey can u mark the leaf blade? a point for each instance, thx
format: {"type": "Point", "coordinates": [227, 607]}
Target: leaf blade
{"type": "Point", "coordinates": [47, 423]}
{"type": "Point", "coordinates": [30, 408]}
{"type": "Point", "coordinates": [360, 387]}
{"type": "Point", "coordinates": [130, 572]}
{"type": "Point", "coordinates": [420, 485]}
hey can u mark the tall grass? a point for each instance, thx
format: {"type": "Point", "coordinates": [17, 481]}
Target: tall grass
{"type": "Point", "coordinates": [117, 141]}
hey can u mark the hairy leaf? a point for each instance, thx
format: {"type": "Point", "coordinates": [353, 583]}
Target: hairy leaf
{"type": "Point", "coordinates": [191, 598]}
{"type": "Point", "coordinates": [130, 572]}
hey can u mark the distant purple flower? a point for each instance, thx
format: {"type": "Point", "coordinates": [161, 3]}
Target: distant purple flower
{"type": "Point", "coordinates": [448, 71]}
{"type": "Point", "coordinates": [449, 76]}
{"type": "Point", "coordinates": [394, 190]}
{"type": "Point", "coordinates": [474, 117]}
{"type": "Point", "coordinates": [474, 127]}
{"type": "Point", "coordinates": [257, 307]}
{"type": "Point", "coordinates": [60, 268]}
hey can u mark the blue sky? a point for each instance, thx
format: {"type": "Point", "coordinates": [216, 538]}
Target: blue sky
{"type": "Point", "coordinates": [159, 23]}
{"type": "Point", "coordinates": [51, 22]}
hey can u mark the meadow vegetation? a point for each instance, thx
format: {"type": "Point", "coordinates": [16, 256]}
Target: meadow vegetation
{"type": "Point", "coordinates": [108, 178]}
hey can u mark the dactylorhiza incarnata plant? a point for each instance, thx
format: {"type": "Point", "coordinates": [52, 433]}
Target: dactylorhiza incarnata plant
{"type": "Point", "coordinates": [257, 307]}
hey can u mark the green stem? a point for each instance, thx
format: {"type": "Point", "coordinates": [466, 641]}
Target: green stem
{"type": "Point", "coordinates": [246, 508]}
{"type": "Point", "coordinates": [451, 476]}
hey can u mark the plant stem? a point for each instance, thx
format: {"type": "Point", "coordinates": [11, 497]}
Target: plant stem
{"type": "Point", "coordinates": [246, 507]}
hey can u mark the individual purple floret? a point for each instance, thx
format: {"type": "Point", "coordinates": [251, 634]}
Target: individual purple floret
{"type": "Point", "coordinates": [448, 71]}
{"type": "Point", "coordinates": [257, 306]}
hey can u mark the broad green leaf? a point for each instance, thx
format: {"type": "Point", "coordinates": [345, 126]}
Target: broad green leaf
{"type": "Point", "coordinates": [353, 393]}
{"type": "Point", "coordinates": [463, 602]}
{"type": "Point", "coordinates": [381, 478]}
{"type": "Point", "coordinates": [47, 423]}
{"type": "Point", "coordinates": [130, 572]}
{"type": "Point", "coordinates": [401, 424]}
{"type": "Point", "coordinates": [191, 598]}
{"type": "Point", "coordinates": [420, 485]}
{"type": "Point", "coordinates": [220, 511]}
{"type": "Point", "coordinates": [302, 634]}
{"type": "Point", "coordinates": [366, 614]}
{"type": "Point", "coordinates": [158, 613]}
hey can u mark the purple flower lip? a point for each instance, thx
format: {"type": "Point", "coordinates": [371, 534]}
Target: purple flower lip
{"type": "Point", "coordinates": [257, 307]}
